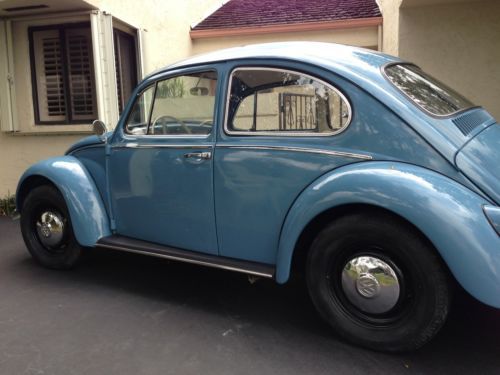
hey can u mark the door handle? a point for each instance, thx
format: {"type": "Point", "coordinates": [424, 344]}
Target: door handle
{"type": "Point", "coordinates": [198, 156]}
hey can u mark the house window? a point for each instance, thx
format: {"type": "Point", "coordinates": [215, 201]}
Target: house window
{"type": "Point", "coordinates": [63, 74]}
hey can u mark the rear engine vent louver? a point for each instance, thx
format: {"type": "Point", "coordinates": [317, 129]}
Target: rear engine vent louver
{"type": "Point", "coordinates": [468, 122]}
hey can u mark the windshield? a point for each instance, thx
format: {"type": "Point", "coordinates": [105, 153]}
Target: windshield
{"type": "Point", "coordinates": [426, 91]}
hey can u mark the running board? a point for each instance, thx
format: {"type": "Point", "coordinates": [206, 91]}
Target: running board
{"type": "Point", "coordinates": [116, 242]}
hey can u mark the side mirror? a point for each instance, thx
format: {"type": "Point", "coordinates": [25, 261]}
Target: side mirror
{"type": "Point", "coordinates": [99, 128]}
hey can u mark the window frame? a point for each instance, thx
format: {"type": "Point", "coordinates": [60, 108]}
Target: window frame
{"type": "Point", "coordinates": [414, 103]}
{"type": "Point", "coordinates": [154, 82]}
{"type": "Point", "coordinates": [284, 133]}
{"type": "Point", "coordinates": [61, 27]}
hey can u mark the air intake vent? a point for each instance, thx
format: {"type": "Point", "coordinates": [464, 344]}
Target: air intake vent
{"type": "Point", "coordinates": [468, 122]}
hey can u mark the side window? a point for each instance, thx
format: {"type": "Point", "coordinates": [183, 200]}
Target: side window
{"type": "Point", "coordinates": [280, 102]}
{"type": "Point", "coordinates": [184, 105]}
{"type": "Point", "coordinates": [137, 121]}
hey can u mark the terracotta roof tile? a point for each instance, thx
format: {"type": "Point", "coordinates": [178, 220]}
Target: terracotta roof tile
{"type": "Point", "coordinates": [251, 13]}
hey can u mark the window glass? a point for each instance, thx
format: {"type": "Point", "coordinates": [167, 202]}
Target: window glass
{"type": "Point", "coordinates": [426, 91]}
{"type": "Point", "coordinates": [137, 122]}
{"type": "Point", "coordinates": [63, 74]}
{"type": "Point", "coordinates": [270, 100]}
{"type": "Point", "coordinates": [184, 105]}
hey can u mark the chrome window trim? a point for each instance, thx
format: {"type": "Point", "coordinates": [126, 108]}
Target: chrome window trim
{"type": "Point", "coordinates": [300, 149]}
{"type": "Point", "coordinates": [282, 133]}
{"type": "Point", "coordinates": [163, 77]}
{"type": "Point", "coordinates": [423, 109]}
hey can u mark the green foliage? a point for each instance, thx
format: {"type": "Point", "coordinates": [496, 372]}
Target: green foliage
{"type": "Point", "coordinates": [7, 205]}
{"type": "Point", "coordinates": [172, 88]}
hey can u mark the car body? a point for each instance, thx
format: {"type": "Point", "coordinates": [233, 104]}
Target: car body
{"type": "Point", "coordinates": [273, 153]}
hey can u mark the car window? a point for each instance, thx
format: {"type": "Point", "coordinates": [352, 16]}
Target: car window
{"type": "Point", "coordinates": [281, 102]}
{"type": "Point", "coordinates": [138, 118]}
{"type": "Point", "coordinates": [426, 91]}
{"type": "Point", "coordinates": [184, 105]}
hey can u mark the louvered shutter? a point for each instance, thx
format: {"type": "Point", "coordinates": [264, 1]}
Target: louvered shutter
{"type": "Point", "coordinates": [80, 74]}
{"type": "Point", "coordinates": [49, 75]}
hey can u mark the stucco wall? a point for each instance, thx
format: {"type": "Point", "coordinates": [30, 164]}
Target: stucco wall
{"type": "Point", "coordinates": [362, 37]}
{"type": "Point", "coordinates": [166, 40]}
{"type": "Point", "coordinates": [166, 23]}
{"type": "Point", "coordinates": [458, 43]}
{"type": "Point", "coordinates": [390, 12]}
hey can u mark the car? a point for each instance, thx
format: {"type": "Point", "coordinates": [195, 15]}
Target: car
{"type": "Point", "coordinates": [356, 170]}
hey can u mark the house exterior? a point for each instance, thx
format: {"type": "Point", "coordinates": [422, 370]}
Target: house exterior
{"type": "Point", "coordinates": [64, 63]}
{"type": "Point", "coordinates": [457, 41]}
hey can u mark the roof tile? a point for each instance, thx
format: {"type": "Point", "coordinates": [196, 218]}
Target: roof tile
{"type": "Point", "coordinates": [251, 13]}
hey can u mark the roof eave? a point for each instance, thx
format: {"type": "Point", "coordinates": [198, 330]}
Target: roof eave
{"type": "Point", "coordinates": [286, 28]}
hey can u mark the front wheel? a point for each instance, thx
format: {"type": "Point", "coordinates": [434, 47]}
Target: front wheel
{"type": "Point", "coordinates": [377, 282]}
{"type": "Point", "coordinates": [46, 229]}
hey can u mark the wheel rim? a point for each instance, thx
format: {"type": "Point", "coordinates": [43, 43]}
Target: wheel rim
{"type": "Point", "coordinates": [378, 307]}
{"type": "Point", "coordinates": [370, 284]}
{"type": "Point", "coordinates": [50, 228]}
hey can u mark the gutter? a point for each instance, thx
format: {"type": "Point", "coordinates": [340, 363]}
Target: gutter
{"type": "Point", "coordinates": [286, 28]}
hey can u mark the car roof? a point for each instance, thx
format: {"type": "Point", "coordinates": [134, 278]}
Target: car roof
{"type": "Point", "coordinates": [350, 61]}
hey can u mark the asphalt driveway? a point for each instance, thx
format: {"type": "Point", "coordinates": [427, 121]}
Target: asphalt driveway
{"type": "Point", "coordinates": [128, 314]}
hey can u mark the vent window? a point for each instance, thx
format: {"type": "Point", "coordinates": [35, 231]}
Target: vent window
{"type": "Point", "coordinates": [63, 76]}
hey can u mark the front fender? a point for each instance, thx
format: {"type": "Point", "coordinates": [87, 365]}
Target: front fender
{"type": "Point", "coordinates": [86, 208]}
{"type": "Point", "coordinates": [449, 214]}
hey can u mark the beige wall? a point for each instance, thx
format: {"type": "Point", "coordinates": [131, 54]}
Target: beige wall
{"type": "Point", "coordinates": [166, 40]}
{"type": "Point", "coordinates": [362, 37]}
{"type": "Point", "coordinates": [167, 24]}
{"type": "Point", "coordinates": [456, 41]}
{"type": "Point", "coordinates": [390, 35]}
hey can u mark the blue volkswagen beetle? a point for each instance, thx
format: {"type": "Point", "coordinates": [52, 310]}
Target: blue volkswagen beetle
{"type": "Point", "coordinates": [360, 171]}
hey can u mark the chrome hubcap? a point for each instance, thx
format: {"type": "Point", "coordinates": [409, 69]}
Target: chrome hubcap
{"type": "Point", "coordinates": [370, 284]}
{"type": "Point", "coordinates": [50, 229]}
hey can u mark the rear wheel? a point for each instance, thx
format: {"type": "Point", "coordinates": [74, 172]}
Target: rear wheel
{"type": "Point", "coordinates": [377, 282]}
{"type": "Point", "coordinates": [46, 229]}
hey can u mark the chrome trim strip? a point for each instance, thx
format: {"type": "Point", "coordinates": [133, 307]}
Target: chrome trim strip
{"type": "Point", "coordinates": [163, 145]}
{"type": "Point", "coordinates": [301, 149]}
{"type": "Point", "coordinates": [283, 133]}
{"type": "Point", "coordinates": [185, 260]}
{"type": "Point", "coordinates": [163, 136]}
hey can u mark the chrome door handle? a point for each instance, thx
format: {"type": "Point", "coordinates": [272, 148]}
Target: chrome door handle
{"type": "Point", "coordinates": [198, 155]}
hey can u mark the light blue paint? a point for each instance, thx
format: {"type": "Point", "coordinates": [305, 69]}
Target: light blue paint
{"type": "Point", "coordinates": [253, 204]}
{"type": "Point", "coordinates": [85, 206]}
{"type": "Point", "coordinates": [448, 214]}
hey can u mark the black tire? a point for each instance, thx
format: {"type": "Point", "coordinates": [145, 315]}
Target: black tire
{"type": "Point", "coordinates": [64, 254]}
{"type": "Point", "coordinates": [424, 294]}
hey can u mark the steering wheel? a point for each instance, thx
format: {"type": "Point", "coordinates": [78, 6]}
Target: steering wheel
{"type": "Point", "coordinates": [164, 120]}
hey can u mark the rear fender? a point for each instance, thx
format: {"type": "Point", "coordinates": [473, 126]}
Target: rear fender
{"type": "Point", "coordinates": [446, 212]}
{"type": "Point", "coordinates": [86, 208]}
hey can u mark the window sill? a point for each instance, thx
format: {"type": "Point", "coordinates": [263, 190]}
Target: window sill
{"type": "Point", "coordinates": [83, 129]}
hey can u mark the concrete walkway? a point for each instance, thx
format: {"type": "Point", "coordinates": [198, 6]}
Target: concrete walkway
{"type": "Point", "coordinates": [126, 314]}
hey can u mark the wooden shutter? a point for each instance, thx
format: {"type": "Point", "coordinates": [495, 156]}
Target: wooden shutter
{"type": "Point", "coordinates": [80, 74]}
{"type": "Point", "coordinates": [49, 75]}
{"type": "Point", "coordinates": [125, 62]}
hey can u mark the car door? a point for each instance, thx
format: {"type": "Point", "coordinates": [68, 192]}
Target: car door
{"type": "Point", "coordinates": [161, 166]}
{"type": "Point", "coordinates": [282, 130]}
